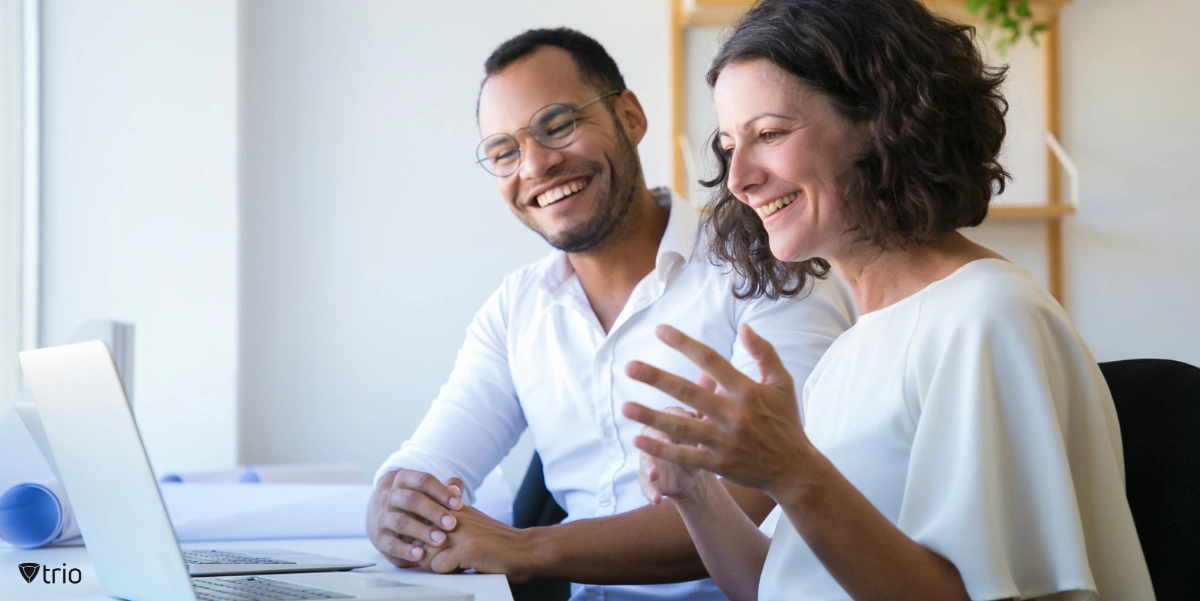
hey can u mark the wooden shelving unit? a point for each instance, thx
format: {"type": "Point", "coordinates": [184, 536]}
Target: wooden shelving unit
{"type": "Point", "coordinates": [721, 13]}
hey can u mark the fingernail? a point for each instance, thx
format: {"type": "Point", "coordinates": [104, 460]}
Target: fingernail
{"type": "Point", "coordinates": [455, 503]}
{"type": "Point", "coordinates": [448, 521]}
{"type": "Point", "coordinates": [416, 552]}
{"type": "Point", "coordinates": [456, 489]}
{"type": "Point", "coordinates": [437, 537]}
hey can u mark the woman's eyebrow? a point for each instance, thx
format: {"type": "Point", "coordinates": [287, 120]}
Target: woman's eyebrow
{"type": "Point", "coordinates": [749, 123]}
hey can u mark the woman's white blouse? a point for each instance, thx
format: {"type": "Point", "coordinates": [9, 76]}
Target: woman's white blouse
{"type": "Point", "coordinates": [974, 418]}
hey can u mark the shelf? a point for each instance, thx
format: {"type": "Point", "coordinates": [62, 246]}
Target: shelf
{"type": "Point", "coordinates": [720, 13]}
{"type": "Point", "coordinates": [1015, 212]}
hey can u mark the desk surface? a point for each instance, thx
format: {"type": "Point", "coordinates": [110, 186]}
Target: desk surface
{"type": "Point", "coordinates": [13, 587]}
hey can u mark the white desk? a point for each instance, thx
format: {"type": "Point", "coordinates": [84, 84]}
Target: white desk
{"type": "Point", "coordinates": [14, 588]}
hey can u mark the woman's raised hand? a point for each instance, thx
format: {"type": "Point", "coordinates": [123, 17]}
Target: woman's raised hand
{"type": "Point", "coordinates": [750, 432]}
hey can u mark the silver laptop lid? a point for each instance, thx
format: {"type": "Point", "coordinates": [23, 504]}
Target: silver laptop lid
{"type": "Point", "coordinates": [105, 472]}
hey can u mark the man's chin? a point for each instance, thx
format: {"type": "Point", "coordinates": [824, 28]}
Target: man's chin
{"type": "Point", "coordinates": [575, 241]}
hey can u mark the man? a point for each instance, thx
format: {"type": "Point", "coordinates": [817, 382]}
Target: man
{"type": "Point", "coordinates": [548, 350]}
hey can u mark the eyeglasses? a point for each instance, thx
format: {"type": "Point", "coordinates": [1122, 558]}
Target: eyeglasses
{"type": "Point", "coordinates": [552, 126]}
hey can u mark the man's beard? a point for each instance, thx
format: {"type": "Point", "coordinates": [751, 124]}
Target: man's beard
{"type": "Point", "coordinates": [616, 211]}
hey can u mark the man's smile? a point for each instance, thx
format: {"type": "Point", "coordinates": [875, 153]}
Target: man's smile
{"type": "Point", "coordinates": [562, 190]}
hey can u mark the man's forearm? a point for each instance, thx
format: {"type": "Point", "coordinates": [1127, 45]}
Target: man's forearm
{"type": "Point", "coordinates": [650, 545]}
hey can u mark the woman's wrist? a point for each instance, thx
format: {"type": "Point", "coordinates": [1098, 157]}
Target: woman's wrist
{"type": "Point", "coordinates": [697, 496]}
{"type": "Point", "coordinates": [801, 481]}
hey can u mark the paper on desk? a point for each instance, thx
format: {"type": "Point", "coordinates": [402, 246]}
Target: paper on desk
{"type": "Point", "coordinates": [269, 511]}
{"type": "Point", "coordinates": [299, 473]}
{"type": "Point", "coordinates": [35, 512]}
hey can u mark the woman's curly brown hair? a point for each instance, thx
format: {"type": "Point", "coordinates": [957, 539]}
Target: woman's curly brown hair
{"type": "Point", "coordinates": [937, 123]}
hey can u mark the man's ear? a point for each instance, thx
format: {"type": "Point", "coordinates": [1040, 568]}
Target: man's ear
{"type": "Point", "coordinates": [631, 116]}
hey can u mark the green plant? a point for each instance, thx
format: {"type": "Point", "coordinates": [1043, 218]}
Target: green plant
{"type": "Point", "coordinates": [1010, 18]}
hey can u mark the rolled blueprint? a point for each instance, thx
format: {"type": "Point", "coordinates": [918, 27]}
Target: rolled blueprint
{"type": "Point", "coordinates": [36, 514]}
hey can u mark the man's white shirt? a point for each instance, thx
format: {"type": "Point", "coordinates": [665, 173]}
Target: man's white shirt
{"type": "Point", "coordinates": [537, 357]}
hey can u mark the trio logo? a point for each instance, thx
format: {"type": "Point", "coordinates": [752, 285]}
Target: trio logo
{"type": "Point", "coordinates": [29, 571]}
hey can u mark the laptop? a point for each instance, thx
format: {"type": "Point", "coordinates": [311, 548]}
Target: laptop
{"type": "Point", "coordinates": [106, 474]}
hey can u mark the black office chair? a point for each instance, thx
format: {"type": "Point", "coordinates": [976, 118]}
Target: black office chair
{"type": "Point", "coordinates": [533, 506]}
{"type": "Point", "coordinates": [1158, 406]}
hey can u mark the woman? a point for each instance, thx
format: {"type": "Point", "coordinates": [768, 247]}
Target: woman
{"type": "Point", "coordinates": [959, 442]}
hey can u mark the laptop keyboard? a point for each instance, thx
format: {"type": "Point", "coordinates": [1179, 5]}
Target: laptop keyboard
{"type": "Point", "coordinates": [202, 557]}
{"type": "Point", "coordinates": [254, 588]}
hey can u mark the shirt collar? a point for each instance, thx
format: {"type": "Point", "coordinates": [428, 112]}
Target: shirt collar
{"type": "Point", "coordinates": [679, 240]}
{"type": "Point", "coordinates": [675, 249]}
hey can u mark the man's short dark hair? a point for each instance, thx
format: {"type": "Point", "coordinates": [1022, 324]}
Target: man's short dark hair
{"type": "Point", "coordinates": [596, 68]}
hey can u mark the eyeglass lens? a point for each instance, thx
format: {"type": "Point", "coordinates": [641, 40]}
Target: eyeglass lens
{"type": "Point", "coordinates": [552, 126]}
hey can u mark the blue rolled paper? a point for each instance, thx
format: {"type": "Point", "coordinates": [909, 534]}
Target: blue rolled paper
{"type": "Point", "coordinates": [31, 515]}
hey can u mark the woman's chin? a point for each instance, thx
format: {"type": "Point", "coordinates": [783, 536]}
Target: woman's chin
{"type": "Point", "coordinates": [789, 251]}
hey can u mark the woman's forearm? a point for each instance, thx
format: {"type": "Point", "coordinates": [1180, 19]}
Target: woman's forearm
{"type": "Point", "coordinates": [731, 546]}
{"type": "Point", "coordinates": [869, 556]}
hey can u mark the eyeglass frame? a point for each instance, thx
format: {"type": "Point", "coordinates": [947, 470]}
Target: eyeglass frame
{"type": "Point", "coordinates": [521, 147]}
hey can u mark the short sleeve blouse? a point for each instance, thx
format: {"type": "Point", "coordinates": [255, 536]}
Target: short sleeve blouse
{"type": "Point", "coordinates": [974, 418]}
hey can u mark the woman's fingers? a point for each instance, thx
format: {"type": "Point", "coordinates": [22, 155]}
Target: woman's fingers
{"type": "Point", "coordinates": [678, 428]}
{"type": "Point", "coordinates": [709, 361]}
{"type": "Point", "coordinates": [769, 364]}
{"type": "Point", "coordinates": [682, 390]}
{"type": "Point", "coordinates": [646, 480]}
{"type": "Point", "coordinates": [687, 455]}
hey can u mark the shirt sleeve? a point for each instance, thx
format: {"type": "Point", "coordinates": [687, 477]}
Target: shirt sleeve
{"type": "Point", "coordinates": [799, 328]}
{"type": "Point", "coordinates": [1016, 456]}
{"type": "Point", "coordinates": [476, 418]}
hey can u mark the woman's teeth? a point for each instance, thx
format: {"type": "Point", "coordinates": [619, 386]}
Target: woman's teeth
{"type": "Point", "coordinates": [769, 208]}
{"type": "Point", "coordinates": [554, 195]}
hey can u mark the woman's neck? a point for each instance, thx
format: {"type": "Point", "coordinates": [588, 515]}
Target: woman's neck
{"type": "Point", "coordinates": [879, 278]}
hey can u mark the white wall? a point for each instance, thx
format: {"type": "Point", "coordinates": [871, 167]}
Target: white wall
{"type": "Point", "coordinates": [139, 204]}
{"type": "Point", "coordinates": [10, 199]}
{"type": "Point", "coordinates": [1130, 87]}
{"type": "Point", "coordinates": [369, 235]}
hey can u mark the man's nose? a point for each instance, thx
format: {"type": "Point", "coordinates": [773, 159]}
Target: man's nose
{"type": "Point", "coordinates": [537, 160]}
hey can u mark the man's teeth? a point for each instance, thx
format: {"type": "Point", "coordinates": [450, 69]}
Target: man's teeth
{"type": "Point", "coordinates": [771, 207]}
{"type": "Point", "coordinates": [554, 195]}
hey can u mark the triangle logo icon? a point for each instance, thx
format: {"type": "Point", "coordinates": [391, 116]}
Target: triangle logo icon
{"type": "Point", "coordinates": [29, 571]}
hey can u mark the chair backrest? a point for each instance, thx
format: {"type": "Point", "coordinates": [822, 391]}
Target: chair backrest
{"type": "Point", "coordinates": [1158, 405]}
{"type": "Point", "coordinates": [534, 506]}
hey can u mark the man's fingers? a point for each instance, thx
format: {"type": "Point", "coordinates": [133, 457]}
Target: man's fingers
{"type": "Point", "coordinates": [774, 373]}
{"type": "Point", "coordinates": [686, 392]}
{"type": "Point", "coordinates": [419, 504]}
{"type": "Point", "coordinates": [406, 524]}
{"type": "Point", "coordinates": [679, 428]}
{"type": "Point", "coordinates": [706, 382]}
{"type": "Point", "coordinates": [445, 562]}
{"type": "Point", "coordinates": [400, 551]}
{"type": "Point", "coordinates": [431, 487]}
{"type": "Point", "coordinates": [709, 361]}
{"type": "Point", "coordinates": [456, 486]}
